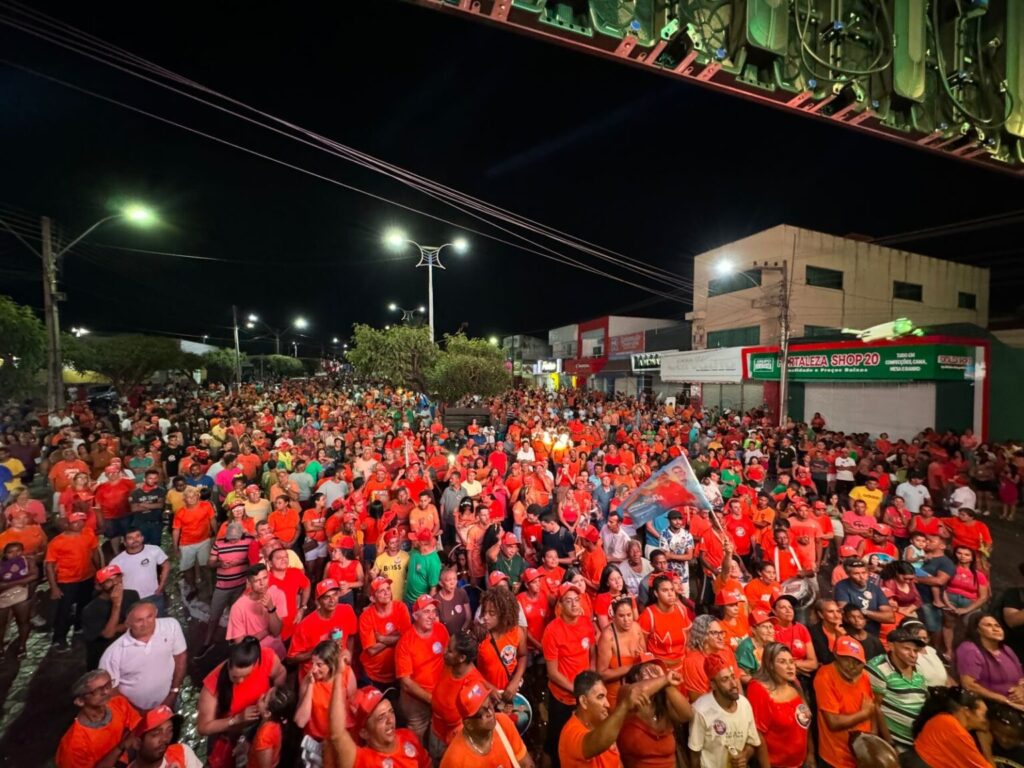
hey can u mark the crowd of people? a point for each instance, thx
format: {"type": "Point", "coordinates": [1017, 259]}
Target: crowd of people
{"type": "Point", "coordinates": [363, 585]}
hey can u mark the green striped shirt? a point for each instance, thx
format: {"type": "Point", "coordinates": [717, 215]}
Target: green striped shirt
{"type": "Point", "coordinates": [902, 698]}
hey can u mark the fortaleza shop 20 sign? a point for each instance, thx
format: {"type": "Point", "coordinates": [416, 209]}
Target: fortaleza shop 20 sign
{"type": "Point", "coordinates": [913, 362]}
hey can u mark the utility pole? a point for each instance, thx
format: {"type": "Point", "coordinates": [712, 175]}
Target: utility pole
{"type": "Point", "coordinates": [51, 298]}
{"type": "Point", "coordinates": [238, 351]}
{"type": "Point", "coordinates": [784, 345]}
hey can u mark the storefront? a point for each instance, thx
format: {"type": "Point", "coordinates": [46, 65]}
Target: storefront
{"type": "Point", "coordinates": [715, 377]}
{"type": "Point", "coordinates": [547, 374]}
{"type": "Point", "coordinates": [899, 387]}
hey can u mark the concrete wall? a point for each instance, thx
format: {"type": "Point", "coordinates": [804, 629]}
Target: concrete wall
{"type": "Point", "coordinates": [619, 324]}
{"type": "Point", "coordinates": [865, 300]}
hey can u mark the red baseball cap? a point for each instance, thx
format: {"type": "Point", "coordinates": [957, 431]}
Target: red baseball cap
{"type": "Point", "coordinates": [509, 540]}
{"type": "Point", "coordinates": [729, 597]}
{"type": "Point", "coordinates": [847, 550]}
{"type": "Point", "coordinates": [590, 533]}
{"type": "Point", "coordinates": [471, 697]}
{"type": "Point", "coordinates": [342, 541]}
{"type": "Point", "coordinates": [883, 529]}
{"type": "Point", "coordinates": [759, 616]}
{"type": "Point", "coordinates": [425, 601]}
{"type": "Point", "coordinates": [154, 718]}
{"type": "Point", "coordinates": [566, 587]}
{"type": "Point", "coordinates": [109, 572]}
{"type": "Point", "coordinates": [76, 516]}
{"type": "Point", "coordinates": [252, 487]}
{"type": "Point", "coordinates": [848, 646]}
{"type": "Point", "coordinates": [335, 505]}
{"type": "Point", "coordinates": [391, 534]}
{"type": "Point", "coordinates": [531, 574]}
{"type": "Point", "coordinates": [820, 504]}
{"type": "Point", "coordinates": [363, 703]}
{"type": "Point", "coordinates": [377, 583]}
{"type": "Point", "coordinates": [325, 586]}
{"type": "Point", "coordinates": [496, 578]}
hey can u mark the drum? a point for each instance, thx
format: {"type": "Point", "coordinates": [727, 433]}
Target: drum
{"type": "Point", "coordinates": [804, 591]}
{"type": "Point", "coordinates": [521, 713]}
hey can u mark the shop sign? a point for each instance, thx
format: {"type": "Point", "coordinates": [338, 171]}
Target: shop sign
{"type": "Point", "coordinates": [546, 366]}
{"type": "Point", "coordinates": [710, 366]}
{"type": "Point", "coordinates": [626, 343]}
{"type": "Point", "coordinates": [913, 362]}
{"type": "Point", "coordinates": [584, 366]}
{"type": "Point", "coordinates": [646, 362]}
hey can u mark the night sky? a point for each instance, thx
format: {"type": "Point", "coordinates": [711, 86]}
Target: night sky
{"type": "Point", "coordinates": [653, 168]}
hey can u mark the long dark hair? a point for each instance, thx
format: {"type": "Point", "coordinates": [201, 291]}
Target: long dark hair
{"type": "Point", "coordinates": [652, 594]}
{"type": "Point", "coordinates": [602, 585]}
{"type": "Point", "coordinates": [943, 701]}
{"type": "Point", "coordinates": [244, 653]}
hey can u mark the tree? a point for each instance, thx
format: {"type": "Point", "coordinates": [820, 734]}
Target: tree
{"type": "Point", "coordinates": [401, 356]}
{"type": "Point", "coordinates": [282, 365]}
{"type": "Point", "coordinates": [22, 347]}
{"type": "Point", "coordinates": [468, 367]}
{"type": "Point", "coordinates": [128, 360]}
{"type": "Point", "coordinates": [220, 364]}
{"type": "Point", "coordinates": [406, 357]}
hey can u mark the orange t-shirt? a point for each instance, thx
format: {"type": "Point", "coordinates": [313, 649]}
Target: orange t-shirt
{"type": "Point", "coordinates": [83, 747]}
{"type": "Point", "coordinates": [380, 667]}
{"type": "Point", "coordinates": [194, 523]}
{"type": "Point", "coordinates": [736, 629]}
{"type": "Point", "coordinates": [570, 748]}
{"type": "Point", "coordinates": [761, 595]}
{"type": "Point", "coordinates": [568, 645]}
{"type": "Point", "coordinates": [72, 555]}
{"type": "Point", "coordinates": [460, 755]}
{"type": "Point", "coordinates": [497, 659]}
{"type": "Point", "coordinates": [537, 610]}
{"type": "Point", "coordinates": [284, 524]}
{"type": "Point", "coordinates": [409, 753]}
{"type": "Point", "coordinates": [31, 538]}
{"type": "Point", "coordinates": [247, 692]}
{"type": "Point", "coordinates": [666, 633]}
{"type": "Point", "coordinates": [249, 464]}
{"type": "Point", "coordinates": [319, 714]}
{"type": "Point", "coordinates": [63, 472]}
{"type": "Point", "coordinates": [839, 697]}
{"type": "Point", "coordinates": [248, 525]}
{"type": "Point", "coordinates": [943, 741]}
{"type": "Point", "coordinates": [445, 721]}
{"type": "Point", "coordinates": [592, 564]}
{"type": "Point", "coordinates": [311, 520]}
{"type": "Point", "coordinates": [268, 737]}
{"type": "Point", "coordinates": [422, 658]}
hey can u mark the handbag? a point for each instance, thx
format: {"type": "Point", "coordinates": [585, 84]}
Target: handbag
{"type": "Point", "coordinates": [13, 596]}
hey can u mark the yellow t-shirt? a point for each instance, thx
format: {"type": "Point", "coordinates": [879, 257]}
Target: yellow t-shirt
{"type": "Point", "coordinates": [873, 499]}
{"type": "Point", "coordinates": [394, 568]}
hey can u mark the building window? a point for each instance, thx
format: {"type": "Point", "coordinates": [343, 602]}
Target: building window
{"type": "Point", "coordinates": [824, 278]}
{"type": "Point", "coordinates": [810, 331]}
{"type": "Point", "coordinates": [734, 282]}
{"type": "Point", "coordinates": [966, 300]}
{"type": "Point", "coordinates": [906, 291]}
{"type": "Point", "coordinates": [735, 337]}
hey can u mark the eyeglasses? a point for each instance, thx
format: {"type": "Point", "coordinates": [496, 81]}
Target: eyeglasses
{"type": "Point", "coordinates": [716, 632]}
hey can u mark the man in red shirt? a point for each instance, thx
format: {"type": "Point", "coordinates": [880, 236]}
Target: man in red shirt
{"type": "Point", "coordinates": [569, 649]}
{"type": "Point", "coordinates": [740, 529]}
{"type": "Point", "coordinates": [293, 582]}
{"type": "Point", "coordinates": [330, 620]}
{"type": "Point", "coordinates": [113, 499]}
{"type": "Point", "coordinates": [419, 659]}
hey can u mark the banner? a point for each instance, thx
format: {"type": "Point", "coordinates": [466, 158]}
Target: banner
{"type": "Point", "coordinates": [626, 343]}
{"type": "Point", "coordinates": [646, 362]}
{"type": "Point", "coordinates": [912, 362]}
{"type": "Point", "coordinates": [708, 366]}
{"type": "Point", "coordinates": [671, 487]}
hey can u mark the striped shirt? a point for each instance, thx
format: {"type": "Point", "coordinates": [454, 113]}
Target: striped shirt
{"type": "Point", "coordinates": [232, 562]}
{"type": "Point", "coordinates": [902, 698]}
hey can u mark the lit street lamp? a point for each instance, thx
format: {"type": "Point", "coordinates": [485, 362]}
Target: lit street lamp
{"type": "Point", "coordinates": [408, 315]}
{"type": "Point", "coordinates": [299, 323]}
{"type": "Point", "coordinates": [726, 267]}
{"type": "Point", "coordinates": [50, 256]}
{"type": "Point", "coordinates": [430, 257]}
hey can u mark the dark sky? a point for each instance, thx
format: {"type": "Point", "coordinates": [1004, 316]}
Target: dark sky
{"type": "Point", "coordinates": [641, 164]}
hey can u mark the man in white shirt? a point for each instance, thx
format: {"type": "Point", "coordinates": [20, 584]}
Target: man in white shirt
{"type": "Point", "coordinates": [148, 662]}
{"type": "Point", "coordinates": [145, 568]}
{"type": "Point", "coordinates": [723, 722]}
{"type": "Point", "coordinates": [614, 539]}
{"type": "Point", "coordinates": [914, 493]}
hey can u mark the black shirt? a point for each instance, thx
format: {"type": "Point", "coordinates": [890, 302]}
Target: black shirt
{"type": "Point", "coordinates": [155, 496]}
{"type": "Point", "coordinates": [561, 541]}
{"type": "Point", "coordinates": [172, 457]}
{"type": "Point", "coordinates": [1012, 598]}
{"type": "Point", "coordinates": [95, 617]}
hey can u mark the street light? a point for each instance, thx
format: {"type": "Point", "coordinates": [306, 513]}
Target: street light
{"type": "Point", "coordinates": [430, 257]}
{"type": "Point", "coordinates": [334, 340]}
{"type": "Point", "coordinates": [79, 332]}
{"type": "Point", "coordinates": [408, 315]}
{"type": "Point", "coordinates": [493, 341]}
{"type": "Point", "coordinates": [301, 323]}
{"type": "Point", "coordinates": [134, 213]}
{"type": "Point", "coordinates": [724, 268]}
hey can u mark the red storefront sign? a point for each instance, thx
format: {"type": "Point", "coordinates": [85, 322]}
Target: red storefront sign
{"type": "Point", "coordinates": [584, 366]}
{"type": "Point", "coordinates": [626, 344]}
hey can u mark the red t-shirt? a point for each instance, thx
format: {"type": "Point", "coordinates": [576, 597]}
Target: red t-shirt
{"type": "Point", "coordinates": [796, 637]}
{"type": "Point", "coordinates": [112, 498]}
{"type": "Point", "coordinates": [247, 692]}
{"type": "Point", "coordinates": [422, 658]}
{"type": "Point", "coordinates": [783, 725]}
{"type": "Point", "coordinates": [291, 584]}
{"type": "Point", "coordinates": [314, 629]}
{"type": "Point", "coordinates": [666, 633]}
{"type": "Point", "coordinates": [569, 645]}
{"type": "Point", "coordinates": [380, 667]}
{"type": "Point", "coordinates": [445, 721]}
{"type": "Point", "coordinates": [409, 753]}
{"type": "Point", "coordinates": [537, 610]}
{"type": "Point", "coordinates": [740, 531]}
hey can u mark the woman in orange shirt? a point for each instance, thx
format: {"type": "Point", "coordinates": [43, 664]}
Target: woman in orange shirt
{"type": "Point", "coordinates": [619, 647]}
{"type": "Point", "coordinates": [647, 738]}
{"type": "Point", "coordinates": [311, 715]}
{"type": "Point", "coordinates": [665, 623]}
{"type": "Point", "coordinates": [942, 730]}
{"type": "Point", "coordinates": [276, 708]}
{"type": "Point", "coordinates": [762, 590]}
{"type": "Point", "coordinates": [734, 616]}
{"type": "Point", "coordinates": [501, 658]}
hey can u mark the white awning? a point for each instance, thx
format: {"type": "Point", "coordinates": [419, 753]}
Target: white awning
{"type": "Point", "coordinates": [706, 366]}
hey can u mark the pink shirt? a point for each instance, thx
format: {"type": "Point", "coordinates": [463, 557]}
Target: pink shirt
{"type": "Point", "coordinates": [965, 583]}
{"type": "Point", "coordinates": [225, 478]}
{"type": "Point", "coordinates": [34, 509]}
{"type": "Point", "coordinates": [249, 617]}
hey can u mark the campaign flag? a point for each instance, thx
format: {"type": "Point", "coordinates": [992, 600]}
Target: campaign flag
{"type": "Point", "coordinates": [671, 487]}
